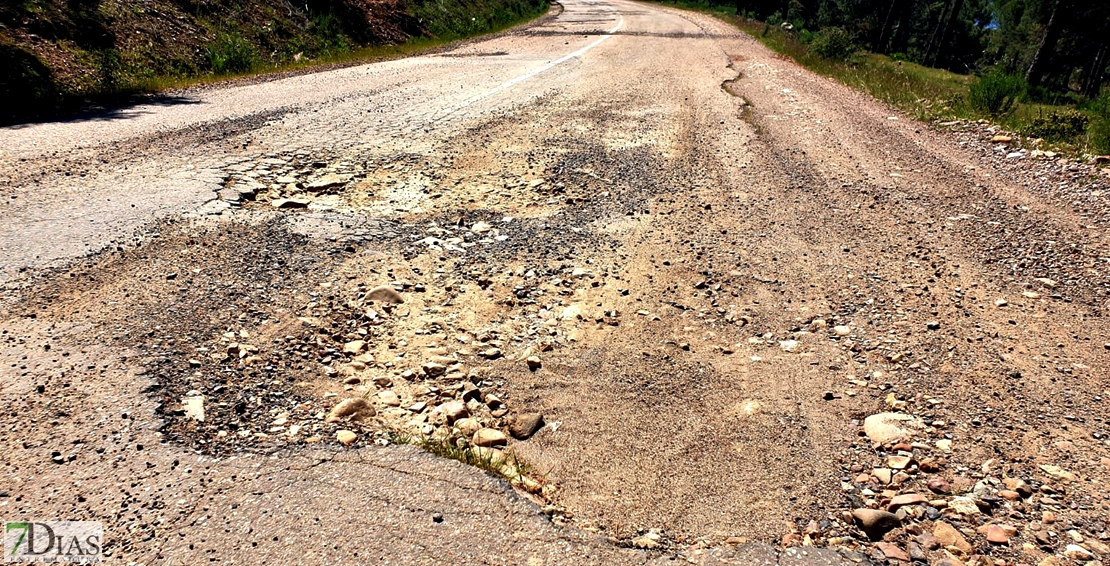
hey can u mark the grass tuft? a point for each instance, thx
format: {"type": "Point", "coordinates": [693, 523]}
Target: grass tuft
{"type": "Point", "coordinates": [505, 464]}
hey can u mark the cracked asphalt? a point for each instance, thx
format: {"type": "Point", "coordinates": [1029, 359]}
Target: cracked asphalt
{"type": "Point", "coordinates": [703, 265]}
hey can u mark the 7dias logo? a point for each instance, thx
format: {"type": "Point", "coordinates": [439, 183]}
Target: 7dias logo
{"type": "Point", "coordinates": [53, 541]}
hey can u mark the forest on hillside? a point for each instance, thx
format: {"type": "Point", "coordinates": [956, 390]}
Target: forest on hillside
{"type": "Point", "coordinates": [1054, 46]}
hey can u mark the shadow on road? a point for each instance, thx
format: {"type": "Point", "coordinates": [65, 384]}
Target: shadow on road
{"type": "Point", "coordinates": [104, 109]}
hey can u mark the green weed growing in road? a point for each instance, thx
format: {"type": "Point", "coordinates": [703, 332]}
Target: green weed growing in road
{"type": "Point", "coordinates": [505, 464]}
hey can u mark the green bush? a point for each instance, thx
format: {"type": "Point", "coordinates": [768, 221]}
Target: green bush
{"type": "Point", "coordinates": [1098, 136]}
{"type": "Point", "coordinates": [1098, 107]}
{"type": "Point", "coordinates": [230, 53]}
{"type": "Point", "coordinates": [833, 43]}
{"type": "Point", "coordinates": [452, 20]}
{"type": "Point", "coordinates": [996, 93]}
{"type": "Point", "coordinates": [108, 66]}
{"type": "Point", "coordinates": [1060, 125]}
{"type": "Point", "coordinates": [328, 32]}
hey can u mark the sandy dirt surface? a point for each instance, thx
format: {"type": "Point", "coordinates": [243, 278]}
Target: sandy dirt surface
{"type": "Point", "coordinates": [702, 265]}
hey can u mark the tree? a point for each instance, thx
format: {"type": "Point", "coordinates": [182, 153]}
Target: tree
{"type": "Point", "coordinates": [1044, 51]}
{"type": "Point", "coordinates": [949, 23]}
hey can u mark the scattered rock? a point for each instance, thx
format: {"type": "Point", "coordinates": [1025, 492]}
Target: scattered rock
{"type": "Point", "coordinates": [354, 347]}
{"type": "Point", "coordinates": [898, 462]}
{"type": "Point", "coordinates": [356, 408]}
{"type": "Point", "coordinates": [385, 294]}
{"type": "Point", "coordinates": [892, 552]}
{"type": "Point", "coordinates": [906, 499]}
{"type": "Point", "coordinates": [525, 425]}
{"type": "Point", "coordinates": [1076, 552]}
{"type": "Point", "coordinates": [468, 426]}
{"type": "Point", "coordinates": [939, 485]}
{"type": "Point", "coordinates": [433, 369]}
{"type": "Point", "coordinates": [489, 437]}
{"type": "Point", "coordinates": [389, 398]}
{"type": "Point", "coordinates": [884, 475]}
{"type": "Point", "coordinates": [875, 523]}
{"type": "Point", "coordinates": [533, 362]}
{"type": "Point", "coordinates": [1058, 473]}
{"type": "Point", "coordinates": [963, 506]}
{"type": "Point", "coordinates": [949, 561]}
{"type": "Point", "coordinates": [917, 554]}
{"type": "Point", "coordinates": [950, 537]}
{"type": "Point", "coordinates": [326, 182]}
{"type": "Point", "coordinates": [928, 541]}
{"type": "Point", "coordinates": [1018, 486]}
{"type": "Point", "coordinates": [194, 407]}
{"type": "Point", "coordinates": [929, 465]}
{"type": "Point", "coordinates": [842, 330]}
{"type": "Point", "coordinates": [888, 427]}
{"type": "Point", "coordinates": [998, 534]}
{"type": "Point", "coordinates": [454, 410]}
{"type": "Point", "coordinates": [346, 437]}
{"type": "Point", "coordinates": [570, 313]}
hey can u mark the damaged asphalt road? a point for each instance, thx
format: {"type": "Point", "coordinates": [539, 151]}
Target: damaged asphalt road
{"type": "Point", "coordinates": [651, 277]}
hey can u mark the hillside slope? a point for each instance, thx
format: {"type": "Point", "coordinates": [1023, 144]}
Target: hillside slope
{"type": "Point", "coordinates": [52, 51]}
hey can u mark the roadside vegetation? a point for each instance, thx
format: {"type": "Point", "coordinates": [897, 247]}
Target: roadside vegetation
{"type": "Point", "coordinates": [1035, 67]}
{"type": "Point", "coordinates": [56, 54]}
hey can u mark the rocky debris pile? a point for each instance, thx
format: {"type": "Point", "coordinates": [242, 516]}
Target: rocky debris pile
{"type": "Point", "coordinates": [348, 363]}
{"type": "Point", "coordinates": [912, 500]}
{"type": "Point", "coordinates": [919, 505]}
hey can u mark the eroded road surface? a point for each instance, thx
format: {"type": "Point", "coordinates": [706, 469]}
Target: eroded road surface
{"type": "Point", "coordinates": [703, 266]}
